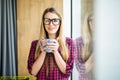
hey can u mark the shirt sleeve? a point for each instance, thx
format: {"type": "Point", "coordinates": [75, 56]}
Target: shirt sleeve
{"type": "Point", "coordinates": [31, 56]}
{"type": "Point", "coordinates": [70, 61]}
{"type": "Point", "coordinates": [80, 65]}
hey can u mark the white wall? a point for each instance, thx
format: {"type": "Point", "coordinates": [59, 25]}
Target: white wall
{"type": "Point", "coordinates": [76, 23]}
{"type": "Point", "coordinates": [76, 18]}
{"type": "Point", "coordinates": [76, 27]}
{"type": "Point", "coordinates": [107, 36]}
{"type": "Point", "coordinates": [67, 17]}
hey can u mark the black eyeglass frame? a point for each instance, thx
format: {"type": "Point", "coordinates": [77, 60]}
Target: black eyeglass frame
{"type": "Point", "coordinates": [51, 20]}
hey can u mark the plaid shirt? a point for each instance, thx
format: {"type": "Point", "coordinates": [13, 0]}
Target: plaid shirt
{"type": "Point", "coordinates": [53, 73]}
{"type": "Point", "coordinates": [80, 64]}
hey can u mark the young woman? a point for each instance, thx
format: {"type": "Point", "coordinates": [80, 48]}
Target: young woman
{"type": "Point", "coordinates": [84, 49]}
{"type": "Point", "coordinates": [58, 64]}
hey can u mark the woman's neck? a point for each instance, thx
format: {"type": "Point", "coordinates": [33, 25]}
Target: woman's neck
{"type": "Point", "coordinates": [52, 36]}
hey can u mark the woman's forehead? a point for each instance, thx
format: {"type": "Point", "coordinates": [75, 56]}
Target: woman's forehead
{"type": "Point", "coordinates": [51, 15]}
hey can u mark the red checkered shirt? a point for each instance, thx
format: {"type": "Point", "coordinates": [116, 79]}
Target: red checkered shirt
{"type": "Point", "coordinates": [53, 73]}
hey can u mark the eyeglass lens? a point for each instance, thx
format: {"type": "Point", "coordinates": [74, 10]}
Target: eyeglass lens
{"type": "Point", "coordinates": [54, 21]}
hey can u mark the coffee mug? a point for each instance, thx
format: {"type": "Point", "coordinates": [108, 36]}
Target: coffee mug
{"type": "Point", "coordinates": [43, 43]}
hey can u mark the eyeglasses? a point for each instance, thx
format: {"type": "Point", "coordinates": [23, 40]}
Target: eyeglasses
{"type": "Point", "coordinates": [54, 21]}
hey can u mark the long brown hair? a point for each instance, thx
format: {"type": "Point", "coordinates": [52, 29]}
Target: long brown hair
{"type": "Point", "coordinates": [44, 34]}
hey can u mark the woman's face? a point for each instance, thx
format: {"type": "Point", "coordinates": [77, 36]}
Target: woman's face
{"type": "Point", "coordinates": [51, 22]}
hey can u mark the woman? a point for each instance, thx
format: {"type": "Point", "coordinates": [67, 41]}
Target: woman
{"type": "Point", "coordinates": [84, 49]}
{"type": "Point", "coordinates": [58, 64]}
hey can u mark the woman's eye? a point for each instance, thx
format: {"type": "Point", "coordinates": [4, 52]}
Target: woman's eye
{"type": "Point", "coordinates": [55, 20]}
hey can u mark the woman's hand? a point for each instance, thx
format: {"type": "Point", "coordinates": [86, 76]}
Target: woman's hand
{"type": "Point", "coordinates": [53, 45]}
{"type": "Point", "coordinates": [42, 49]}
{"type": "Point", "coordinates": [43, 44]}
{"type": "Point", "coordinates": [89, 63]}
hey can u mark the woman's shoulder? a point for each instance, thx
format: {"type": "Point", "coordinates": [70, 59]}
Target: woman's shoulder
{"type": "Point", "coordinates": [68, 39]}
{"type": "Point", "coordinates": [34, 42]}
{"type": "Point", "coordinates": [79, 39]}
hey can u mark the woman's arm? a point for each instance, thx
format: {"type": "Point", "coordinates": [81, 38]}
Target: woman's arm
{"type": "Point", "coordinates": [60, 62]}
{"type": "Point", "coordinates": [54, 45]}
{"type": "Point", "coordinates": [34, 65]}
{"type": "Point", "coordinates": [38, 63]}
{"type": "Point", "coordinates": [89, 63]}
{"type": "Point", "coordinates": [70, 62]}
{"type": "Point", "coordinates": [65, 67]}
